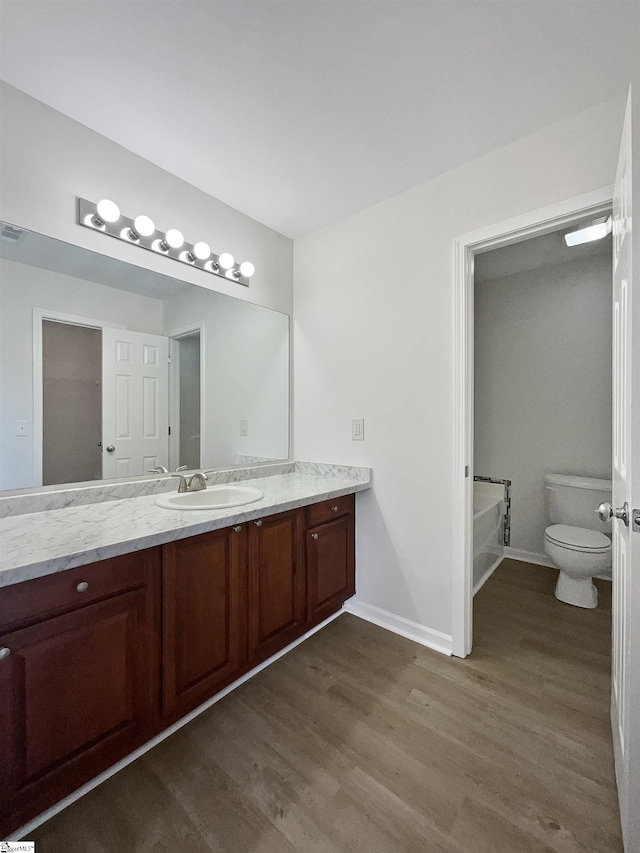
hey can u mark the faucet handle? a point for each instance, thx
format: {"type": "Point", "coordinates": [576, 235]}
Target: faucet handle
{"type": "Point", "coordinates": [183, 486]}
{"type": "Point", "coordinates": [181, 468]}
{"type": "Point", "coordinates": [160, 469]}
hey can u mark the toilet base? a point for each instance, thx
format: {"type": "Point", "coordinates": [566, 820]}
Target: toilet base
{"type": "Point", "coordinates": [581, 592]}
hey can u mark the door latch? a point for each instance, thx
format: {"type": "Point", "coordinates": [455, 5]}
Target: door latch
{"type": "Point", "coordinates": [635, 520]}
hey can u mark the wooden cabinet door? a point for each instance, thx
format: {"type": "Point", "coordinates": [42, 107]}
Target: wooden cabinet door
{"type": "Point", "coordinates": [76, 695]}
{"type": "Point", "coordinates": [204, 589]}
{"type": "Point", "coordinates": [331, 578]}
{"type": "Point", "coordinates": [276, 597]}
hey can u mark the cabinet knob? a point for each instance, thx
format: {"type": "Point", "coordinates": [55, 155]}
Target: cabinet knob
{"type": "Point", "coordinates": [237, 528]}
{"type": "Point", "coordinates": [314, 535]}
{"type": "Point", "coordinates": [258, 523]}
{"type": "Point", "coordinates": [83, 586]}
{"type": "Point", "coordinates": [334, 508]}
{"type": "Point", "coordinates": [4, 653]}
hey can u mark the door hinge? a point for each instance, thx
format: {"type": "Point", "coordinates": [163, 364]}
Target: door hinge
{"type": "Point", "coordinates": [169, 430]}
{"type": "Point", "coordinates": [466, 470]}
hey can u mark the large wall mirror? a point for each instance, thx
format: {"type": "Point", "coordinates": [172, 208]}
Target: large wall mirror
{"type": "Point", "coordinates": [108, 370]}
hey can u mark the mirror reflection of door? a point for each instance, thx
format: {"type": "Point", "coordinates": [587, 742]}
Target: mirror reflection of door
{"type": "Point", "coordinates": [135, 402]}
{"type": "Point", "coordinates": [71, 403]}
{"type": "Point", "coordinates": [104, 402]}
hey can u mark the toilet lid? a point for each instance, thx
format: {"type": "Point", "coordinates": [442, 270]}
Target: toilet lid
{"type": "Point", "coordinates": [578, 538]}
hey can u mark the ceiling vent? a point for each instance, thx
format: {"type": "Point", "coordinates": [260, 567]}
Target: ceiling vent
{"type": "Point", "coordinates": [11, 234]}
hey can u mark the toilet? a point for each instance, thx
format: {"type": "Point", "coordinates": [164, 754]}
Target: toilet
{"type": "Point", "coordinates": [576, 541]}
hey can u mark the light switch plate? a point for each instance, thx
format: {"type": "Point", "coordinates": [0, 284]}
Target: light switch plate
{"type": "Point", "coordinates": [22, 428]}
{"type": "Point", "coordinates": [244, 426]}
{"type": "Point", "coordinates": [357, 429]}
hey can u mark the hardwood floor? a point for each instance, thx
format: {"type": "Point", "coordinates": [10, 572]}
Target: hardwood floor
{"type": "Point", "coordinates": [360, 740]}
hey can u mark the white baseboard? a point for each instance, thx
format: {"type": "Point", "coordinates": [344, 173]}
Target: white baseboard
{"type": "Point", "coordinates": [538, 560]}
{"type": "Point", "coordinates": [528, 557]}
{"type": "Point", "coordinates": [24, 831]}
{"type": "Point", "coordinates": [399, 625]}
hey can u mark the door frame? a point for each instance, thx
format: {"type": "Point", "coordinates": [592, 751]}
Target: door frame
{"type": "Point", "coordinates": [40, 314]}
{"type": "Point", "coordinates": [532, 224]}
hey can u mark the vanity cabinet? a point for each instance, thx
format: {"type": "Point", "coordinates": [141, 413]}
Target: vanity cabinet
{"type": "Point", "coordinates": [330, 557]}
{"type": "Point", "coordinates": [97, 660]}
{"type": "Point", "coordinates": [276, 591]}
{"type": "Point", "coordinates": [204, 618]}
{"type": "Point", "coordinates": [78, 677]}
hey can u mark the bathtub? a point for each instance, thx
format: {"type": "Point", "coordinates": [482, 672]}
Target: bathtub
{"type": "Point", "coordinates": [488, 516]}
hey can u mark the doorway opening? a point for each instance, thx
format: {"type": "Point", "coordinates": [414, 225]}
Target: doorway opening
{"type": "Point", "coordinates": [189, 403]}
{"type": "Point", "coordinates": [498, 521]}
{"type": "Point", "coordinates": [71, 403]}
{"type": "Point", "coordinates": [542, 408]}
{"type": "Point", "coordinates": [186, 397]}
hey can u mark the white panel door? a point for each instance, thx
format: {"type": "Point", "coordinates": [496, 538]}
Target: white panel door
{"type": "Point", "coordinates": [135, 402]}
{"type": "Point", "coordinates": [625, 687]}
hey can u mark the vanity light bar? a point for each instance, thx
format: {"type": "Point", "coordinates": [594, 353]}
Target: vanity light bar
{"type": "Point", "coordinates": [105, 216]}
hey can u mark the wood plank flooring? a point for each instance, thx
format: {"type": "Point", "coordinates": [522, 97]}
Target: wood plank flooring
{"type": "Point", "coordinates": [360, 740]}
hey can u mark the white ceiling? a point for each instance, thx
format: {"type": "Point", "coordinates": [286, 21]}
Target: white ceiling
{"type": "Point", "coordinates": [299, 112]}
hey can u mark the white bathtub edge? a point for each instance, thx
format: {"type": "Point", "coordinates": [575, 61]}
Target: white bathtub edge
{"type": "Point", "coordinates": [488, 572]}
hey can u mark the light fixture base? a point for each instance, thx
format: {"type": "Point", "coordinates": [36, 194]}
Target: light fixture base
{"type": "Point", "coordinates": [87, 212]}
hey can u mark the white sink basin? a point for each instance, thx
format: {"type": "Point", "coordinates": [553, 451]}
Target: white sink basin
{"type": "Point", "coordinates": [213, 497]}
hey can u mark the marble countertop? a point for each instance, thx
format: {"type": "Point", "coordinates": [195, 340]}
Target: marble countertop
{"type": "Point", "coordinates": [42, 543]}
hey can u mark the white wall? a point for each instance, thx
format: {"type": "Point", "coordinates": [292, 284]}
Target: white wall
{"type": "Point", "coordinates": [543, 383]}
{"type": "Point", "coordinates": [23, 288]}
{"type": "Point", "coordinates": [373, 338]}
{"type": "Point", "coordinates": [246, 358]}
{"type": "Point", "coordinates": [47, 160]}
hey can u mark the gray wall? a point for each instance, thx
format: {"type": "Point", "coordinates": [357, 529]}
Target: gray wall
{"type": "Point", "coordinates": [190, 401]}
{"type": "Point", "coordinates": [543, 383]}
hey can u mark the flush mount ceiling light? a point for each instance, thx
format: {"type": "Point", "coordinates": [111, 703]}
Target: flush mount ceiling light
{"type": "Point", "coordinates": [105, 217]}
{"type": "Point", "coordinates": [588, 233]}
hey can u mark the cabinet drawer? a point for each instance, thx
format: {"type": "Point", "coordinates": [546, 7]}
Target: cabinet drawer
{"type": "Point", "coordinates": [330, 509]}
{"type": "Point", "coordinates": [30, 601]}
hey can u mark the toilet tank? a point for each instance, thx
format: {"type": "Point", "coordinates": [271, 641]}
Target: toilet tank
{"type": "Point", "coordinates": [573, 500]}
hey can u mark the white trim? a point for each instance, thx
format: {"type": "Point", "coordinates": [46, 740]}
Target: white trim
{"type": "Point", "coordinates": [528, 557]}
{"type": "Point", "coordinates": [538, 560]}
{"type": "Point", "coordinates": [40, 314]}
{"type": "Point", "coordinates": [399, 625]}
{"type": "Point", "coordinates": [129, 759]}
{"type": "Point", "coordinates": [531, 224]}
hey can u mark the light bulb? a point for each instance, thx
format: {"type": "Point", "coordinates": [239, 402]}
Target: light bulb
{"type": "Point", "coordinates": [174, 238]}
{"type": "Point", "coordinates": [226, 261]}
{"type": "Point", "coordinates": [247, 269]}
{"type": "Point", "coordinates": [201, 250]}
{"type": "Point", "coordinates": [144, 226]}
{"type": "Point", "coordinates": [108, 211]}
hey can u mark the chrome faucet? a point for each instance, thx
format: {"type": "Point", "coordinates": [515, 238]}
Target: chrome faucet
{"type": "Point", "coordinates": [195, 483]}
{"type": "Point", "coordinates": [162, 470]}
